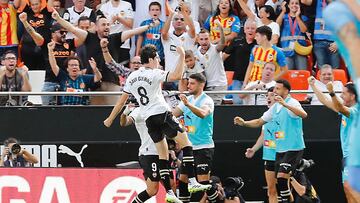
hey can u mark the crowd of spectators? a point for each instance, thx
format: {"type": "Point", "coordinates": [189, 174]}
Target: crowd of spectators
{"type": "Point", "coordinates": [236, 44]}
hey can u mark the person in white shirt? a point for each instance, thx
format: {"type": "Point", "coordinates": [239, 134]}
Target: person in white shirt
{"type": "Point", "coordinates": [210, 56]}
{"type": "Point", "coordinates": [73, 13]}
{"type": "Point", "coordinates": [179, 37]}
{"type": "Point", "coordinates": [174, 4]}
{"type": "Point", "coordinates": [148, 155]}
{"type": "Point", "coordinates": [326, 75]}
{"type": "Point", "coordinates": [121, 17]}
{"type": "Point", "coordinates": [145, 85]}
{"type": "Point", "coordinates": [267, 81]}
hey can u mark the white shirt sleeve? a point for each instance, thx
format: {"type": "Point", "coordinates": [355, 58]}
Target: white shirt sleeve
{"type": "Point", "coordinates": [129, 13]}
{"type": "Point", "coordinates": [294, 103]}
{"type": "Point", "coordinates": [209, 103]}
{"type": "Point", "coordinates": [267, 116]}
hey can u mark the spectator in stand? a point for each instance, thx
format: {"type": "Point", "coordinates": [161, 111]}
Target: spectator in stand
{"type": "Point", "coordinates": [14, 156]}
{"type": "Point", "coordinates": [175, 5]}
{"type": "Point", "coordinates": [262, 53]}
{"type": "Point", "coordinates": [228, 21]}
{"type": "Point", "coordinates": [210, 56]}
{"type": "Point", "coordinates": [12, 79]}
{"type": "Point", "coordinates": [326, 75]}
{"type": "Point", "coordinates": [73, 80]}
{"type": "Point", "coordinates": [153, 35]}
{"type": "Point", "coordinates": [8, 35]}
{"type": "Point", "coordinates": [121, 16]}
{"type": "Point", "coordinates": [267, 81]}
{"type": "Point", "coordinates": [325, 49]}
{"type": "Point", "coordinates": [73, 13]}
{"type": "Point", "coordinates": [142, 14]}
{"type": "Point", "coordinates": [57, 6]}
{"type": "Point", "coordinates": [266, 16]}
{"type": "Point", "coordinates": [110, 81]}
{"type": "Point", "coordinates": [255, 6]}
{"type": "Point", "coordinates": [180, 37]}
{"type": "Point", "coordinates": [293, 29]}
{"type": "Point", "coordinates": [193, 66]}
{"type": "Point", "coordinates": [32, 51]}
{"type": "Point", "coordinates": [84, 23]}
{"type": "Point", "coordinates": [117, 68]}
{"type": "Point", "coordinates": [236, 57]}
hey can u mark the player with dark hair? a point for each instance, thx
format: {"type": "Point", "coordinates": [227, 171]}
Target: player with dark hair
{"type": "Point", "coordinates": [287, 113]}
{"type": "Point", "coordinates": [145, 85]}
{"type": "Point", "coordinates": [267, 141]}
{"type": "Point", "coordinates": [348, 109]}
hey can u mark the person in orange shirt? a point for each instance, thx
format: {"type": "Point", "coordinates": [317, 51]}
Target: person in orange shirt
{"type": "Point", "coordinates": [262, 53]}
{"type": "Point", "coordinates": [8, 26]}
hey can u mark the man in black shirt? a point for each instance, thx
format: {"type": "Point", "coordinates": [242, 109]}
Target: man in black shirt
{"type": "Point", "coordinates": [110, 81]}
{"type": "Point", "coordinates": [236, 57]}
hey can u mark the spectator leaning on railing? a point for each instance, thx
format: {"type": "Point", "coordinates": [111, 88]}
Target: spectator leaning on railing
{"type": "Point", "coordinates": [14, 156]}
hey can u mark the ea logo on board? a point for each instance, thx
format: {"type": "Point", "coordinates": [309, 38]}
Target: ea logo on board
{"type": "Point", "coordinates": [123, 190]}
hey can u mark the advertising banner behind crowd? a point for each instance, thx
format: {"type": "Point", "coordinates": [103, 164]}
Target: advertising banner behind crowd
{"type": "Point", "coordinates": [70, 185]}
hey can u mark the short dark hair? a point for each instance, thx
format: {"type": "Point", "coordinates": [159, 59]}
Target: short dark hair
{"type": "Point", "coordinates": [269, 10]}
{"type": "Point", "coordinates": [148, 52]}
{"type": "Point", "coordinates": [8, 52]}
{"type": "Point", "coordinates": [154, 3]}
{"type": "Point", "coordinates": [198, 77]}
{"type": "Point", "coordinates": [10, 140]}
{"type": "Point", "coordinates": [271, 89]}
{"type": "Point", "coordinates": [352, 89]}
{"type": "Point", "coordinates": [265, 30]}
{"type": "Point", "coordinates": [83, 18]}
{"type": "Point", "coordinates": [66, 62]}
{"type": "Point", "coordinates": [285, 83]}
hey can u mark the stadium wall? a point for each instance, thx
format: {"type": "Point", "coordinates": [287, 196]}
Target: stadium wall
{"type": "Point", "coordinates": [54, 132]}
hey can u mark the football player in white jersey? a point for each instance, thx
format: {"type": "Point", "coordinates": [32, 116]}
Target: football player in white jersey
{"type": "Point", "coordinates": [148, 155]}
{"type": "Point", "coordinates": [145, 85]}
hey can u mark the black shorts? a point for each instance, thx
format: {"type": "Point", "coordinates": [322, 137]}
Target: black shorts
{"type": "Point", "coordinates": [203, 161]}
{"type": "Point", "coordinates": [163, 124]}
{"type": "Point", "coordinates": [149, 164]}
{"type": "Point", "coordinates": [269, 165]}
{"type": "Point", "coordinates": [288, 161]}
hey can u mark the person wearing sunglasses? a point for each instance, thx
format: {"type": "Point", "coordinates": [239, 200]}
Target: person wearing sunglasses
{"type": "Point", "coordinates": [64, 48]}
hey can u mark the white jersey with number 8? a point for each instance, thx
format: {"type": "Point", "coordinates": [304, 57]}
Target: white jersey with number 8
{"type": "Point", "coordinates": [145, 85]}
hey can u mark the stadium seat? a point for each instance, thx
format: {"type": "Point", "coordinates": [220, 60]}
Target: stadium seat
{"type": "Point", "coordinates": [36, 79]}
{"type": "Point", "coordinates": [339, 74]}
{"type": "Point", "coordinates": [229, 76]}
{"type": "Point", "coordinates": [298, 81]}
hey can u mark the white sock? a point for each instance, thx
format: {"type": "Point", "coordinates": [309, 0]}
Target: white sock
{"type": "Point", "coordinates": [192, 180]}
{"type": "Point", "coordinates": [170, 192]}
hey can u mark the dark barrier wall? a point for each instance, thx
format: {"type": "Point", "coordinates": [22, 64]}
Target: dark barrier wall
{"type": "Point", "coordinates": [71, 124]}
{"type": "Point", "coordinates": [75, 127]}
